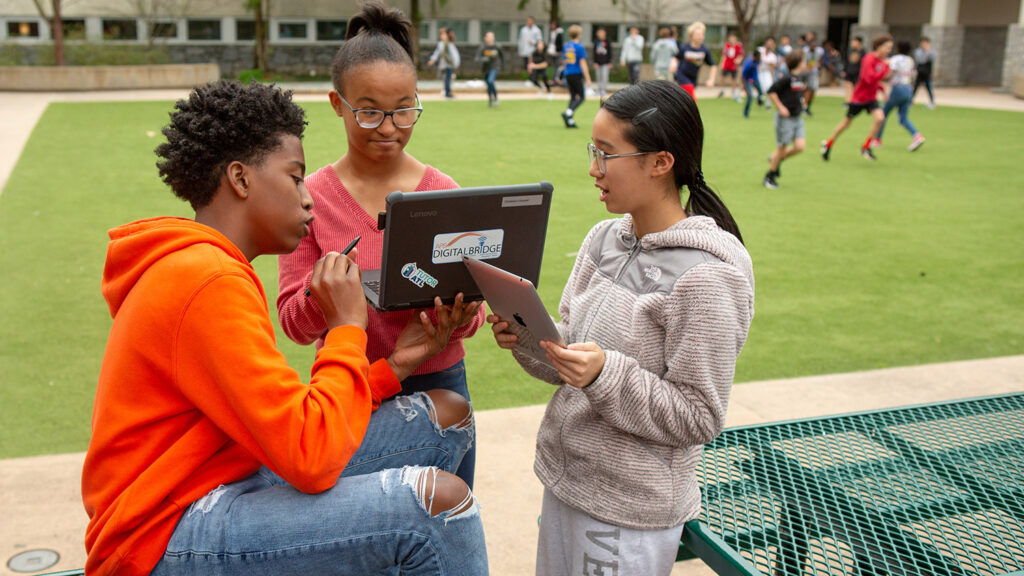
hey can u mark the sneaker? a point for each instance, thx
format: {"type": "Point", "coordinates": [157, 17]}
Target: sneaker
{"type": "Point", "coordinates": [875, 143]}
{"type": "Point", "coordinates": [551, 96]}
{"type": "Point", "coordinates": [867, 154]}
{"type": "Point", "coordinates": [930, 105]}
{"type": "Point", "coordinates": [769, 181]}
{"type": "Point", "coordinates": [807, 112]}
{"type": "Point", "coordinates": [721, 93]}
{"type": "Point", "coordinates": [565, 117]}
{"type": "Point", "coordinates": [916, 143]}
{"type": "Point", "coordinates": [825, 150]}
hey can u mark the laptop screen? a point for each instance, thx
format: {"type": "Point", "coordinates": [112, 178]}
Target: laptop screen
{"type": "Point", "coordinates": [426, 235]}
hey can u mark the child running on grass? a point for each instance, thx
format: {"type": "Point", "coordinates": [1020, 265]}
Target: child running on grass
{"type": "Point", "coordinates": [901, 95]}
{"type": "Point", "coordinates": [873, 69]}
{"type": "Point", "coordinates": [750, 82]}
{"type": "Point", "coordinates": [575, 57]}
{"type": "Point", "coordinates": [788, 96]}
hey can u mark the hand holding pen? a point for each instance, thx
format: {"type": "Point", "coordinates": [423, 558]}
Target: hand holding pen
{"type": "Point", "coordinates": [344, 252]}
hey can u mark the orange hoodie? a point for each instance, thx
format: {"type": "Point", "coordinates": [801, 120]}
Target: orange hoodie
{"type": "Point", "coordinates": [193, 392]}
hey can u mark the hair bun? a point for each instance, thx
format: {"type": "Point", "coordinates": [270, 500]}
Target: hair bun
{"type": "Point", "coordinates": [376, 18]}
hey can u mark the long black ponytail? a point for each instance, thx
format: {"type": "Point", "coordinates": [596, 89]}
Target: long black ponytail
{"type": "Point", "coordinates": [662, 116]}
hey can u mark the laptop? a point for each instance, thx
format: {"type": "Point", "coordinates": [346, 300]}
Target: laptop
{"type": "Point", "coordinates": [426, 234]}
{"type": "Point", "coordinates": [515, 299]}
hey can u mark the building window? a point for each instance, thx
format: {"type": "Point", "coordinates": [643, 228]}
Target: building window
{"type": "Point", "coordinates": [500, 29]}
{"type": "Point", "coordinates": [291, 30]}
{"type": "Point", "coordinates": [163, 29]}
{"type": "Point", "coordinates": [461, 28]}
{"type": "Point", "coordinates": [120, 30]}
{"type": "Point", "coordinates": [424, 31]}
{"type": "Point", "coordinates": [331, 29]}
{"type": "Point", "coordinates": [74, 29]}
{"type": "Point", "coordinates": [611, 32]}
{"type": "Point", "coordinates": [245, 29]}
{"type": "Point", "coordinates": [204, 29]}
{"type": "Point", "coordinates": [23, 30]}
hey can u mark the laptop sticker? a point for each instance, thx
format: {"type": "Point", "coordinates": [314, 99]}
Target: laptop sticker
{"type": "Point", "coordinates": [515, 201]}
{"type": "Point", "coordinates": [417, 276]}
{"type": "Point", "coordinates": [478, 244]}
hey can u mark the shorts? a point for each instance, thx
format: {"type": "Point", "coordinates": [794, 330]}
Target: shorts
{"type": "Point", "coordinates": [689, 89]}
{"type": "Point", "coordinates": [853, 108]}
{"type": "Point", "coordinates": [812, 80]}
{"type": "Point", "coordinates": [728, 73]}
{"type": "Point", "coordinates": [788, 130]}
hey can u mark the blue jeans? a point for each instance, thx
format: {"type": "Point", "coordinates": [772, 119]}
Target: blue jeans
{"type": "Point", "coordinates": [448, 81]}
{"type": "Point", "coordinates": [902, 96]}
{"type": "Point", "coordinates": [453, 379]}
{"type": "Point", "coordinates": [372, 522]}
{"type": "Point", "coordinates": [750, 86]}
{"type": "Point", "coordinates": [492, 90]}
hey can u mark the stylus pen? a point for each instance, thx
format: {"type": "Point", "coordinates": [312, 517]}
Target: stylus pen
{"type": "Point", "coordinates": [344, 252]}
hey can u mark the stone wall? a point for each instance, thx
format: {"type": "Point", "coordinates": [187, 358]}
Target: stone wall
{"type": "Point", "coordinates": [984, 51]}
{"type": "Point", "coordinates": [948, 44]}
{"type": "Point", "coordinates": [52, 78]}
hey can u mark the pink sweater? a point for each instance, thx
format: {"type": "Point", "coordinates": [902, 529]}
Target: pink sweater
{"type": "Point", "coordinates": [339, 219]}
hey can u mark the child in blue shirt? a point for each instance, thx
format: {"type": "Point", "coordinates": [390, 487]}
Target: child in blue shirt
{"type": "Point", "coordinates": [575, 57]}
{"type": "Point", "coordinates": [750, 81]}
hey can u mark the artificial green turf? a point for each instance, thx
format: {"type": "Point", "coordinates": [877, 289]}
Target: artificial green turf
{"type": "Point", "coordinates": [913, 259]}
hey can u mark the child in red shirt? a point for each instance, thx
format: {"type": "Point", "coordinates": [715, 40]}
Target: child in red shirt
{"type": "Point", "coordinates": [732, 57]}
{"type": "Point", "coordinates": [873, 70]}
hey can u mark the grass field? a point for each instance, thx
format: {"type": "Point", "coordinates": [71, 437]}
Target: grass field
{"type": "Point", "coordinates": [914, 259]}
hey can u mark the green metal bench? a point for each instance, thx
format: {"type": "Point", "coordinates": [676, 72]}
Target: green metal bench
{"type": "Point", "coordinates": [935, 490]}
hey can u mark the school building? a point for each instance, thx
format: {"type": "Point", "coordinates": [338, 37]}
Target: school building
{"type": "Point", "coordinates": [976, 41]}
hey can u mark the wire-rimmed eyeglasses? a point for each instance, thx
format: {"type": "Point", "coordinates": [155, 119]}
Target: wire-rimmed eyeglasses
{"type": "Point", "coordinates": [598, 155]}
{"type": "Point", "coordinates": [370, 118]}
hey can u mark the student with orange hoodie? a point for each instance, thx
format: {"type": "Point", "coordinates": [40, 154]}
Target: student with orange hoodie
{"type": "Point", "coordinates": [208, 454]}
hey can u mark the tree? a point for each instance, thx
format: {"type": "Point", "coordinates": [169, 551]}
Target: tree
{"type": "Point", "coordinates": [56, 22]}
{"type": "Point", "coordinates": [744, 11]}
{"type": "Point", "coordinates": [778, 13]}
{"type": "Point", "coordinates": [261, 13]}
{"type": "Point", "coordinates": [647, 12]}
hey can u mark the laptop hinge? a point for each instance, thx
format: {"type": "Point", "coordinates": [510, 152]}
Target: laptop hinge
{"type": "Point", "coordinates": [382, 220]}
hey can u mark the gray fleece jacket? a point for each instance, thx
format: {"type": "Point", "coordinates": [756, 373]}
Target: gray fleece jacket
{"type": "Point", "coordinates": [671, 312]}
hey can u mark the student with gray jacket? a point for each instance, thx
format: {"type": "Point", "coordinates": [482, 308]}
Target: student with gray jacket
{"type": "Point", "coordinates": [654, 315]}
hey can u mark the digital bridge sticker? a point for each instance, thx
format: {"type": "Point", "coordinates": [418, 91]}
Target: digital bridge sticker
{"type": "Point", "coordinates": [477, 244]}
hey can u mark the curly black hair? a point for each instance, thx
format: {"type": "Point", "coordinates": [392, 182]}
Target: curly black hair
{"type": "Point", "coordinates": [222, 122]}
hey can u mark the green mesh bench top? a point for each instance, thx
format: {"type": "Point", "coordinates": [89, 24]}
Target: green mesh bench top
{"type": "Point", "coordinates": [930, 490]}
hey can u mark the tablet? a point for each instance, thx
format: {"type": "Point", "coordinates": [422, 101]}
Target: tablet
{"type": "Point", "coordinates": [515, 299]}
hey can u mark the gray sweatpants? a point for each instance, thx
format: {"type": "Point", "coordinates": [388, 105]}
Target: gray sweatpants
{"type": "Point", "coordinates": [573, 543]}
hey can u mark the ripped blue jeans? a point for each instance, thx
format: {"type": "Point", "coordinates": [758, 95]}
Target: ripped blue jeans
{"type": "Point", "coordinates": [374, 521]}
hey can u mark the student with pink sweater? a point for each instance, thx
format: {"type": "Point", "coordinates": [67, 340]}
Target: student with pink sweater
{"type": "Point", "coordinates": [375, 95]}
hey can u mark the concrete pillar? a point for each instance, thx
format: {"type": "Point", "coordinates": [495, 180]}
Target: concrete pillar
{"type": "Point", "coordinates": [1013, 59]}
{"type": "Point", "coordinates": [945, 12]}
{"type": "Point", "coordinates": [947, 37]}
{"type": "Point", "coordinates": [872, 13]}
{"type": "Point", "coordinates": [94, 29]}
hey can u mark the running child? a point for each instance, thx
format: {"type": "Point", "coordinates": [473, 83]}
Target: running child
{"type": "Point", "coordinates": [788, 96]}
{"type": "Point", "coordinates": [692, 55]}
{"type": "Point", "coordinates": [575, 57]}
{"type": "Point", "coordinates": [750, 81]}
{"type": "Point", "coordinates": [901, 95]}
{"type": "Point", "coordinates": [732, 57]}
{"type": "Point", "coordinates": [873, 70]}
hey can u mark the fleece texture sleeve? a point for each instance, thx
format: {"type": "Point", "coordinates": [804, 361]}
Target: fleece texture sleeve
{"type": "Point", "coordinates": [706, 316]}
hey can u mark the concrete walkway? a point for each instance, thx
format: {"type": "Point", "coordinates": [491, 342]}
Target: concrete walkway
{"type": "Point", "coordinates": [40, 501]}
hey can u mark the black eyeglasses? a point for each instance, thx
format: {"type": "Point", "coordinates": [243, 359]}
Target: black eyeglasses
{"type": "Point", "coordinates": [597, 155]}
{"type": "Point", "coordinates": [371, 117]}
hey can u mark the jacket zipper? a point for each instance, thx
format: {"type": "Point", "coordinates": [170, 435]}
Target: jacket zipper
{"type": "Point", "coordinates": [633, 250]}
